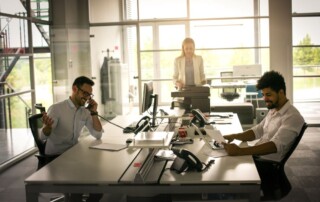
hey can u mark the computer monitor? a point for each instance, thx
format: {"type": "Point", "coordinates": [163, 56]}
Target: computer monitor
{"type": "Point", "coordinates": [253, 70]}
{"type": "Point", "coordinates": [148, 96]}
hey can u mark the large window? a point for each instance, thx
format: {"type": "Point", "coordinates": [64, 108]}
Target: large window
{"type": "Point", "coordinates": [224, 35]}
{"type": "Point", "coordinates": [306, 50]}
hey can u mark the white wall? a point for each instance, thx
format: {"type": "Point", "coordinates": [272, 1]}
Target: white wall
{"type": "Point", "coordinates": [104, 11]}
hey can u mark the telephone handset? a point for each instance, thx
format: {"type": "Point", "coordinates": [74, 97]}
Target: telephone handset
{"type": "Point", "coordinates": [142, 124]}
{"type": "Point", "coordinates": [87, 105]}
{"type": "Point", "coordinates": [199, 116]}
{"type": "Point", "coordinates": [185, 160]}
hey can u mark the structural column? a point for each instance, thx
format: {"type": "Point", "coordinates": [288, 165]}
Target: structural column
{"type": "Point", "coordinates": [70, 44]}
{"type": "Point", "coordinates": [280, 23]}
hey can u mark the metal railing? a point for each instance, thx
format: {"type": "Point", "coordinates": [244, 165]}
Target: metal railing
{"type": "Point", "coordinates": [7, 93]}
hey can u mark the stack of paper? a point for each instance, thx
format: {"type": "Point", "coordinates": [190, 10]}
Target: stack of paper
{"type": "Point", "coordinates": [156, 139]}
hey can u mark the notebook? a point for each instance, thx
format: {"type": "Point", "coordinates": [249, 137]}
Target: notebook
{"type": "Point", "coordinates": [216, 142]}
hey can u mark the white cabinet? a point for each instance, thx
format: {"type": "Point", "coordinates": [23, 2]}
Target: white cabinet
{"type": "Point", "coordinates": [117, 100]}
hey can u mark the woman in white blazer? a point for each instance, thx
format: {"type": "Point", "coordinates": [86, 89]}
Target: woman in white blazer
{"type": "Point", "coordinates": [188, 68]}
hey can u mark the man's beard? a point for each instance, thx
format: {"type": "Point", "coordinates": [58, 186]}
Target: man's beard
{"type": "Point", "coordinates": [272, 106]}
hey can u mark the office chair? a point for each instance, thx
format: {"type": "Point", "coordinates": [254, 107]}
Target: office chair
{"type": "Point", "coordinates": [274, 182]}
{"type": "Point", "coordinates": [228, 93]}
{"type": "Point", "coordinates": [35, 124]}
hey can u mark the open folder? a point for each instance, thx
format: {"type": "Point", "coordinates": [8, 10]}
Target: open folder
{"type": "Point", "coordinates": [212, 133]}
{"type": "Point", "coordinates": [109, 146]}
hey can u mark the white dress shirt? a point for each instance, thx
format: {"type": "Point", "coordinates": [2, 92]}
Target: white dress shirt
{"type": "Point", "coordinates": [280, 127]}
{"type": "Point", "coordinates": [68, 122]}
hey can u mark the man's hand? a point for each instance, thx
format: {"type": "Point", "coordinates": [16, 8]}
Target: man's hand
{"type": "Point", "coordinates": [47, 122]}
{"type": "Point", "coordinates": [232, 149]}
{"type": "Point", "coordinates": [93, 105]}
{"type": "Point", "coordinates": [230, 138]}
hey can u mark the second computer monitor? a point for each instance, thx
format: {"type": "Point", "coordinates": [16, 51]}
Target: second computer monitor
{"type": "Point", "coordinates": [148, 99]}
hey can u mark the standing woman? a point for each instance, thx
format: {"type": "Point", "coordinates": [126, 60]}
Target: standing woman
{"type": "Point", "coordinates": [188, 68]}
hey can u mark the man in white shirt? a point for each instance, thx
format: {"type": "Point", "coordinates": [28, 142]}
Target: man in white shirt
{"type": "Point", "coordinates": [277, 131]}
{"type": "Point", "coordinates": [65, 120]}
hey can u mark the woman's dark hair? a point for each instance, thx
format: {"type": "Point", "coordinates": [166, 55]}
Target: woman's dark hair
{"type": "Point", "coordinates": [273, 80]}
{"type": "Point", "coordinates": [82, 80]}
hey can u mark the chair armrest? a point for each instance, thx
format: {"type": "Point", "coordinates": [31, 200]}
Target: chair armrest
{"type": "Point", "coordinates": [260, 160]}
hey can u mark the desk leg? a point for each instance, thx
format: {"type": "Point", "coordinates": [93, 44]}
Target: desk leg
{"type": "Point", "coordinates": [255, 196]}
{"type": "Point", "coordinates": [31, 196]}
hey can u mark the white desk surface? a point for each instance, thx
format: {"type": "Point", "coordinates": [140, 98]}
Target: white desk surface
{"type": "Point", "coordinates": [228, 85]}
{"type": "Point", "coordinates": [228, 169]}
{"type": "Point", "coordinates": [81, 165]}
{"type": "Point", "coordinates": [232, 84]}
{"type": "Point", "coordinates": [93, 167]}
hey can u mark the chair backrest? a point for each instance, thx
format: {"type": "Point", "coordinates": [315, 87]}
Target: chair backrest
{"type": "Point", "coordinates": [251, 88]}
{"type": "Point", "coordinates": [228, 93]}
{"type": "Point", "coordinates": [295, 143]}
{"type": "Point", "coordinates": [227, 74]}
{"type": "Point", "coordinates": [35, 124]}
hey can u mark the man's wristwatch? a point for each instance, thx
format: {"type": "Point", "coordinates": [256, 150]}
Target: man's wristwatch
{"type": "Point", "coordinates": [94, 113]}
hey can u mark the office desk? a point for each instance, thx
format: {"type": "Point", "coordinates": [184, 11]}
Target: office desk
{"type": "Point", "coordinates": [84, 170]}
{"type": "Point", "coordinates": [228, 85]}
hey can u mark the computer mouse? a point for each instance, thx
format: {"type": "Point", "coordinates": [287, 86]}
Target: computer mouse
{"type": "Point", "coordinates": [129, 140]}
{"type": "Point", "coordinates": [128, 129]}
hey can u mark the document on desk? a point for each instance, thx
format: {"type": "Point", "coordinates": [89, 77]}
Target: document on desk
{"type": "Point", "coordinates": [215, 153]}
{"type": "Point", "coordinates": [109, 146]}
{"type": "Point", "coordinates": [218, 120]}
{"type": "Point", "coordinates": [220, 152]}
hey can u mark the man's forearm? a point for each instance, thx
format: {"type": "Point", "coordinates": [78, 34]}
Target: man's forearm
{"type": "Point", "coordinates": [96, 123]}
{"type": "Point", "coordinates": [245, 136]}
{"type": "Point", "coordinates": [263, 149]}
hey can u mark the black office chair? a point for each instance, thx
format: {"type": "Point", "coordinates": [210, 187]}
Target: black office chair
{"type": "Point", "coordinates": [274, 182]}
{"type": "Point", "coordinates": [35, 124]}
{"type": "Point", "coordinates": [228, 93]}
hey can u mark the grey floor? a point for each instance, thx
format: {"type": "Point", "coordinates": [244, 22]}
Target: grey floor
{"type": "Point", "coordinates": [303, 168]}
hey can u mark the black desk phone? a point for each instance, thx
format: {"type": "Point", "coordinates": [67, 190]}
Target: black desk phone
{"type": "Point", "coordinates": [142, 123]}
{"type": "Point", "coordinates": [185, 160]}
{"type": "Point", "coordinates": [199, 118]}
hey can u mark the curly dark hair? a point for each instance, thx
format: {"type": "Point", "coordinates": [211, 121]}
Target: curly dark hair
{"type": "Point", "coordinates": [82, 80]}
{"type": "Point", "coordinates": [272, 79]}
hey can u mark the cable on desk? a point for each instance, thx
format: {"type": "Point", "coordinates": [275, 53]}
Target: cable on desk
{"type": "Point", "coordinates": [110, 122]}
{"type": "Point", "coordinates": [208, 164]}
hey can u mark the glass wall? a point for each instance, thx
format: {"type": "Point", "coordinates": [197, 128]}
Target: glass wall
{"type": "Point", "coordinates": [21, 82]}
{"type": "Point", "coordinates": [306, 50]}
{"type": "Point", "coordinates": [226, 33]}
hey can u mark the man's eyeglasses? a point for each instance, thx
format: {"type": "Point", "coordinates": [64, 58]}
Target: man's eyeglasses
{"type": "Point", "coordinates": [85, 93]}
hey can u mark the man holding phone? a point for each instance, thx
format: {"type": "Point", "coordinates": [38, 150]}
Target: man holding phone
{"type": "Point", "coordinates": [65, 120]}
